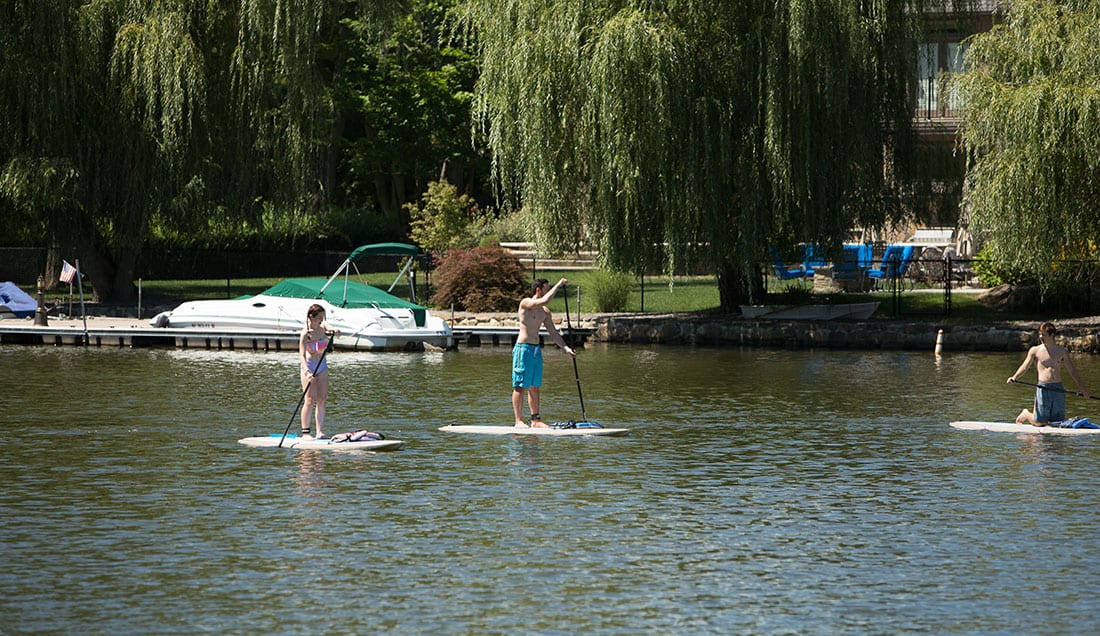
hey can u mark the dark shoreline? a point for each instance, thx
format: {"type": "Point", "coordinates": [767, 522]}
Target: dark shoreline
{"type": "Point", "coordinates": [690, 329]}
{"type": "Point", "coordinates": [712, 329]}
{"type": "Point", "coordinates": [1079, 335]}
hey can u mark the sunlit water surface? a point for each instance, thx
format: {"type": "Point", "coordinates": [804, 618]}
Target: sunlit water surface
{"type": "Point", "coordinates": [760, 491]}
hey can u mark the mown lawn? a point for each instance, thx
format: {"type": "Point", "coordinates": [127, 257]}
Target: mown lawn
{"type": "Point", "coordinates": [684, 294]}
{"type": "Point", "coordinates": [660, 295]}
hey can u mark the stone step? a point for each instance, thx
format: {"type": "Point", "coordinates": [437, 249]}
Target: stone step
{"type": "Point", "coordinates": [529, 257]}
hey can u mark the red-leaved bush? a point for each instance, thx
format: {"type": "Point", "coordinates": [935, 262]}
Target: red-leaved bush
{"type": "Point", "coordinates": [486, 278]}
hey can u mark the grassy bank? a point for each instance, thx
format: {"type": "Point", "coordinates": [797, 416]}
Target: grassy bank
{"type": "Point", "coordinates": [659, 295]}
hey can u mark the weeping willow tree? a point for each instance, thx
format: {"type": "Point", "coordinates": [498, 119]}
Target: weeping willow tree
{"type": "Point", "coordinates": [1031, 126]}
{"type": "Point", "coordinates": [118, 113]}
{"type": "Point", "coordinates": [647, 128]}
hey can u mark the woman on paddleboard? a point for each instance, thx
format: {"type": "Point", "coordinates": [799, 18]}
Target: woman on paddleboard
{"type": "Point", "coordinates": [527, 354]}
{"type": "Point", "coordinates": [1050, 395]}
{"type": "Point", "coordinates": [315, 340]}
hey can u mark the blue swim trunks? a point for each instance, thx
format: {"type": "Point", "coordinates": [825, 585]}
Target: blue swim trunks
{"type": "Point", "coordinates": [526, 365]}
{"type": "Point", "coordinates": [1050, 406]}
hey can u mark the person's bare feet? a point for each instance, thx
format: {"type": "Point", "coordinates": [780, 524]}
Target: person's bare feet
{"type": "Point", "coordinates": [521, 424]}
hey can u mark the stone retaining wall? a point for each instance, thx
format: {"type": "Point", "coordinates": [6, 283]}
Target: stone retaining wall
{"type": "Point", "coordinates": [1078, 335]}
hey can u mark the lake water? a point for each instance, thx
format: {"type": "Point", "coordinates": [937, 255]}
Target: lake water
{"type": "Point", "coordinates": [760, 491]}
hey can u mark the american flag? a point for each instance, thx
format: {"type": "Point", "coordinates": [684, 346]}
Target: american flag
{"type": "Point", "coordinates": [68, 272]}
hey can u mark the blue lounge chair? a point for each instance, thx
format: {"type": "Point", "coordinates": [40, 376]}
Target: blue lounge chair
{"type": "Point", "coordinates": [895, 262]}
{"type": "Point", "coordinates": [783, 272]}
{"type": "Point", "coordinates": [856, 259]}
{"type": "Point", "coordinates": [813, 257]}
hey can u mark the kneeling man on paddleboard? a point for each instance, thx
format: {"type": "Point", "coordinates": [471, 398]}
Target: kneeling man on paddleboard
{"type": "Point", "coordinates": [1050, 395]}
{"type": "Point", "coordinates": [527, 354]}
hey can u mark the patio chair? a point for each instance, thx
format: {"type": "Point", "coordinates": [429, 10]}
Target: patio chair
{"type": "Point", "coordinates": [895, 262]}
{"type": "Point", "coordinates": [854, 263]}
{"type": "Point", "coordinates": [782, 272]}
{"type": "Point", "coordinates": [851, 271]}
{"type": "Point", "coordinates": [813, 257]}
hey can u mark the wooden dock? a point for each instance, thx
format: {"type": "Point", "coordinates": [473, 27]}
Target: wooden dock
{"type": "Point", "coordinates": [506, 336]}
{"type": "Point", "coordinates": [132, 332]}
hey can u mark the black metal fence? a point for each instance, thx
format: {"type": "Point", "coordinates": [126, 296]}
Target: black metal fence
{"type": "Point", "coordinates": [1071, 288]}
{"type": "Point", "coordinates": [23, 265]}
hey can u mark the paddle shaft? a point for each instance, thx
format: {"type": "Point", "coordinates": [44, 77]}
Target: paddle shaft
{"type": "Point", "coordinates": [573, 344]}
{"type": "Point", "coordinates": [305, 391]}
{"type": "Point", "coordinates": [1056, 390]}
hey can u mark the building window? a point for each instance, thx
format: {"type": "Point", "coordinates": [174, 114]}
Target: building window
{"type": "Point", "coordinates": [928, 66]}
{"type": "Point", "coordinates": [936, 63]}
{"type": "Point", "coordinates": [956, 64]}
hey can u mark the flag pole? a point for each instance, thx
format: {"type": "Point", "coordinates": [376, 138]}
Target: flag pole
{"type": "Point", "coordinates": [80, 286]}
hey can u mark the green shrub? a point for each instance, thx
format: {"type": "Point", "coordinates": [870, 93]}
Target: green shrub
{"type": "Point", "coordinates": [610, 290]}
{"type": "Point", "coordinates": [444, 218]}
{"type": "Point", "coordinates": [991, 273]}
{"type": "Point", "coordinates": [797, 294]}
{"type": "Point", "coordinates": [486, 278]}
{"type": "Point", "coordinates": [271, 228]}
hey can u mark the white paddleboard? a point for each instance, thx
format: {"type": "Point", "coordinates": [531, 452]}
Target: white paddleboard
{"type": "Point", "coordinates": [1012, 427]}
{"type": "Point", "coordinates": [292, 441]}
{"type": "Point", "coordinates": [528, 430]}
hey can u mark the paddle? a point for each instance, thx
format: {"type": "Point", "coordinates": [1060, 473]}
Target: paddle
{"type": "Point", "coordinates": [1050, 388]}
{"type": "Point", "coordinates": [304, 392]}
{"type": "Point", "coordinates": [572, 343]}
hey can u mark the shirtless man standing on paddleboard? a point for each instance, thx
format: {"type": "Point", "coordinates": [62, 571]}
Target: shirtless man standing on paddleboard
{"type": "Point", "coordinates": [1050, 396]}
{"type": "Point", "coordinates": [527, 354]}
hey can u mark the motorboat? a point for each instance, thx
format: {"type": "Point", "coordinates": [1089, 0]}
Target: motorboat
{"type": "Point", "coordinates": [367, 317]}
{"type": "Point", "coordinates": [14, 302]}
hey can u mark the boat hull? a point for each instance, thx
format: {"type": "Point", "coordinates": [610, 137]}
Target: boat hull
{"type": "Point", "coordinates": [369, 329]}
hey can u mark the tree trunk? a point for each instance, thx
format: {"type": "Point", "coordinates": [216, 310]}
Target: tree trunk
{"type": "Point", "coordinates": [53, 265]}
{"type": "Point", "coordinates": [332, 161]}
{"type": "Point", "coordinates": [111, 281]}
{"type": "Point", "coordinates": [390, 190]}
{"type": "Point", "coordinates": [454, 173]}
{"type": "Point", "coordinates": [734, 290]}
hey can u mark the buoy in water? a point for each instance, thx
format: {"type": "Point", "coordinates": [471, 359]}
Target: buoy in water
{"type": "Point", "coordinates": [939, 342]}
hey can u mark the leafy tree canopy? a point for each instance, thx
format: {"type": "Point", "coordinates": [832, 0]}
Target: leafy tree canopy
{"type": "Point", "coordinates": [1031, 123]}
{"type": "Point", "coordinates": [184, 115]}
{"type": "Point", "coordinates": [404, 109]}
{"type": "Point", "coordinates": [650, 128]}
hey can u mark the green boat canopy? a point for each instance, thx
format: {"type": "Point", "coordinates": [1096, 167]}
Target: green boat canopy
{"type": "Point", "coordinates": [359, 295]}
{"type": "Point", "coordinates": [375, 249]}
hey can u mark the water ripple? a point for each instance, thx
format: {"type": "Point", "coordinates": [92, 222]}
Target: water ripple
{"type": "Point", "coordinates": [759, 492]}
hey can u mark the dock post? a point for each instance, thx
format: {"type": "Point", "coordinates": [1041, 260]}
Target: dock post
{"type": "Point", "coordinates": [40, 319]}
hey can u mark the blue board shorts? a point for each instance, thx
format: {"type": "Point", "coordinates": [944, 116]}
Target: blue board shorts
{"type": "Point", "coordinates": [526, 365]}
{"type": "Point", "coordinates": [1050, 406]}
